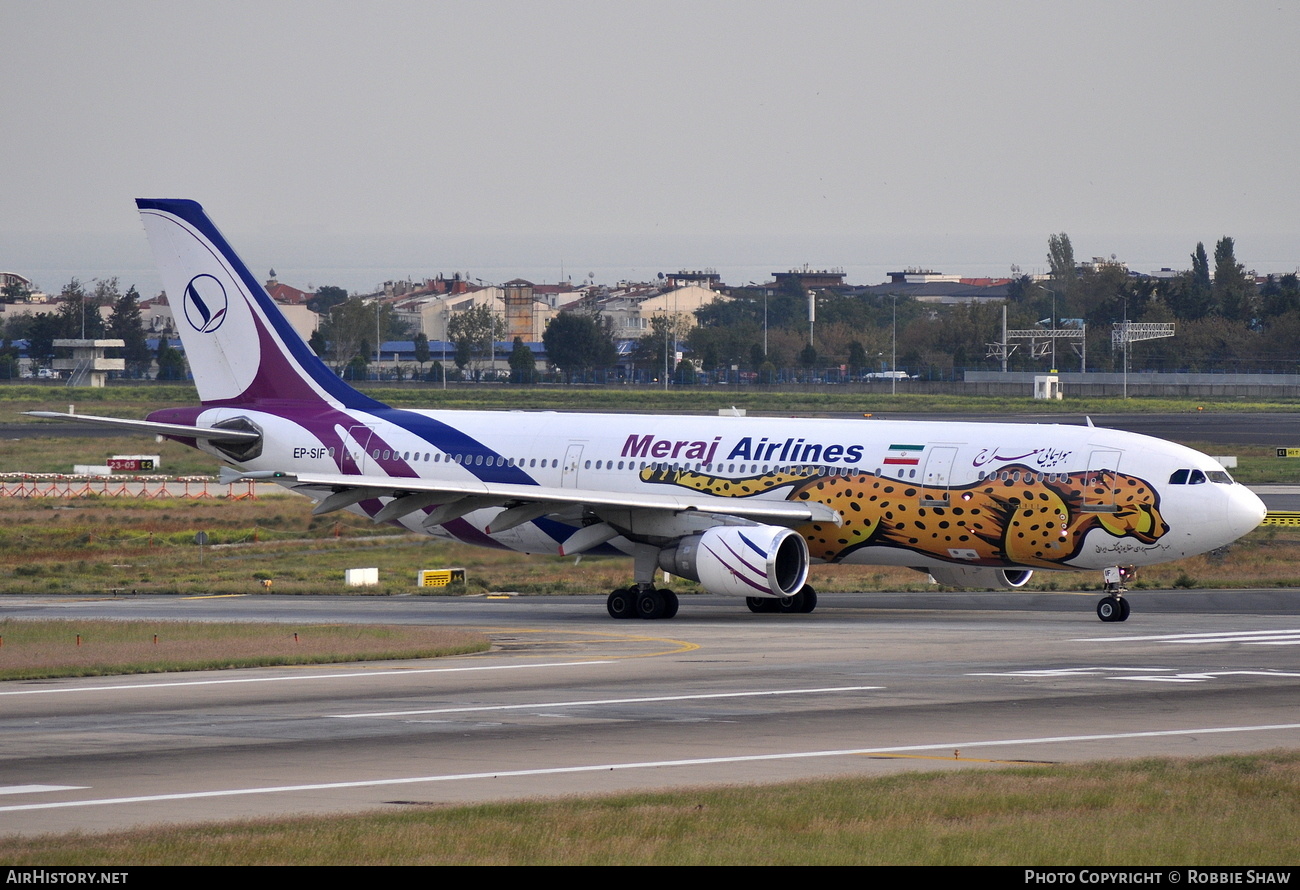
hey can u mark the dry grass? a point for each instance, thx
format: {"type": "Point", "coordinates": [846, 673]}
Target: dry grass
{"type": "Point", "coordinates": [41, 649]}
{"type": "Point", "coordinates": [1237, 810]}
{"type": "Point", "coordinates": [124, 545]}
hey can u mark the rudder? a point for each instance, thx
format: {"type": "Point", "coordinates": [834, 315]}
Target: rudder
{"type": "Point", "coordinates": [240, 347]}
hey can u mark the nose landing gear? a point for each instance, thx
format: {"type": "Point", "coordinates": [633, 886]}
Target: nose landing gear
{"type": "Point", "coordinates": [1113, 606]}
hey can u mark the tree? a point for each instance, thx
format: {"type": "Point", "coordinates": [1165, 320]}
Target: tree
{"type": "Point", "coordinates": [1197, 298]}
{"type": "Point", "coordinates": [326, 298]}
{"type": "Point", "coordinates": [808, 356]}
{"type": "Point", "coordinates": [171, 363]}
{"type": "Point", "coordinates": [857, 357]}
{"type": "Point", "coordinates": [475, 331]}
{"type": "Point", "coordinates": [523, 367]}
{"type": "Point", "coordinates": [14, 292]}
{"type": "Point", "coordinates": [125, 324]}
{"type": "Point", "coordinates": [79, 312]}
{"type": "Point", "coordinates": [1060, 259]}
{"type": "Point", "coordinates": [42, 331]}
{"type": "Point", "coordinates": [350, 328]}
{"type": "Point", "coordinates": [576, 342]}
{"type": "Point", "coordinates": [1234, 290]}
{"type": "Point", "coordinates": [421, 349]}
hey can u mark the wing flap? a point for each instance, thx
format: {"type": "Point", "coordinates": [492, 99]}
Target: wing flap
{"type": "Point", "coordinates": [779, 512]}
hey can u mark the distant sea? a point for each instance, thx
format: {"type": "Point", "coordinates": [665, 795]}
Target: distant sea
{"type": "Point", "coordinates": [360, 264]}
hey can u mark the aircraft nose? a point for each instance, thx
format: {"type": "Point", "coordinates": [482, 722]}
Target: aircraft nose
{"type": "Point", "coordinates": [1245, 511]}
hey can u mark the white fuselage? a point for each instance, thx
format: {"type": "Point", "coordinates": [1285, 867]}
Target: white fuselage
{"type": "Point", "coordinates": [923, 464]}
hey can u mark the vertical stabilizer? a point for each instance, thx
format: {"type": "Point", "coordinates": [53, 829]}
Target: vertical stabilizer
{"type": "Point", "coordinates": [241, 349]}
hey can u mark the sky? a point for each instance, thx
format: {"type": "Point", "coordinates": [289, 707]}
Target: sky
{"type": "Point", "coordinates": [342, 142]}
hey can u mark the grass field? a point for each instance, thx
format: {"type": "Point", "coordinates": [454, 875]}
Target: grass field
{"type": "Point", "coordinates": [1237, 810]}
{"type": "Point", "coordinates": [32, 650]}
{"type": "Point", "coordinates": [123, 546]}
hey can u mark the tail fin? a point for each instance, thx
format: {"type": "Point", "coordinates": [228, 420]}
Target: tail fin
{"type": "Point", "coordinates": [240, 348]}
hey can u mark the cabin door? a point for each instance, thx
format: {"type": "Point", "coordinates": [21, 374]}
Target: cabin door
{"type": "Point", "coordinates": [1099, 488]}
{"type": "Point", "coordinates": [937, 477]}
{"type": "Point", "coordinates": [569, 471]}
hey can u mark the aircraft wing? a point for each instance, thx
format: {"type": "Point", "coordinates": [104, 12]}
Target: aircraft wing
{"type": "Point", "coordinates": [216, 434]}
{"type": "Point", "coordinates": [412, 494]}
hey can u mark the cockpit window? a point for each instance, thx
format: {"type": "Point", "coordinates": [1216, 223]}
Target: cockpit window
{"type": "Point", "coordinates": [1197, 477]}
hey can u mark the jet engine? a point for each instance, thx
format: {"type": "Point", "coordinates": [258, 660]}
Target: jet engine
{"type": "Point", "coordinates": [748, 560]}
{"type": "Point", "coordinates": [988, 579]}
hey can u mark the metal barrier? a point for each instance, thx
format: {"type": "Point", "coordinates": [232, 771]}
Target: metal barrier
{"type": "Point", "coordinates": [58, 485]}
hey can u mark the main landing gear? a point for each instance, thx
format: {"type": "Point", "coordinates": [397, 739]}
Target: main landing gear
{"type": "Point", "coordinates": [1113, 606]}
{"type": "Point", "coordinates": [641, 602]}
{"type": "Point", "coordinates": [651, 603]}
{"type": "Point", "coordinates": [803, 601]}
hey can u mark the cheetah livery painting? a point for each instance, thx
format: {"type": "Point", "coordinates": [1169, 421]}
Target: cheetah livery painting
{"type": "Point", "coordinates": [741, 505]}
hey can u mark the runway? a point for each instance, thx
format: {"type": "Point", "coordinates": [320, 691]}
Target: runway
{"type": "Point", "coordinates": [572, 702]}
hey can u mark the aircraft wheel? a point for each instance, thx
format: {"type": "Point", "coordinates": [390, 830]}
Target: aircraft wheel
{"type": "Point", "coordinates": [1110, 608]}
{"type": "Point", "coordinates": [809, 598]}
{"type": "Point", "coordinates": [650, 604]}
{"type": "Point", "coordinates": [621, 603]}
{"type": "Point", "coordinates": [789, 605]}
{"type": "Point", "coordinates": [1123, 610]}
{"type": "Point", "coordinates": [670, 603]}
{"type": "Point", "coordinates": [756, 603]}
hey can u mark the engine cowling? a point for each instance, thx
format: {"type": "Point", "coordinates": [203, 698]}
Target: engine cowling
{"type": "Point", "coordinates": [750, 560]}
{"type": "Point", "coordinates": [988, 579]}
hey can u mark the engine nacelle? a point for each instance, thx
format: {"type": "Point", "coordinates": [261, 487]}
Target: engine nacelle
{"type": "Point", "coordinates": [972, 576]}
{"type": "Point", "coordinates": [746, 560]}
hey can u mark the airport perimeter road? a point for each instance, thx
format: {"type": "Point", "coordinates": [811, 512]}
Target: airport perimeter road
{"type": "Point", "coordinates": [573, 702]}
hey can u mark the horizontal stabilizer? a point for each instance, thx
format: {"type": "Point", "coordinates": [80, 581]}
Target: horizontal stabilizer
{"type": "Point", "coordinates": [211, 434]}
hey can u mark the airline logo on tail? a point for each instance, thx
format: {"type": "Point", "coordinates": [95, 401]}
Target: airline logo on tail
{"type": "Point", "coordinates": [205, 303]}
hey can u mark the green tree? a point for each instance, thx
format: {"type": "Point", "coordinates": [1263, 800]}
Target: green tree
{"type": "Point", "coordinates": [523, 367]}
{"type": "Point", "coordinates": [1234, 290]}
{"type": "Point", "coordinates": [857, 357]}
{"type": "Point", "coordinates": [475, 331]}
{"type": "Point", "coordinates": [1060, 259]}
{"type": "Point", "coordinates": [41, 333]}
{"type": "Point", "coordinates": [8, 361]}
{"type": "Point", "coordinates": [326, 298]}
{"type": "Point", "coordinates": [808, 356]}
{"type": "Point", "coordinates": [15, 292]}
{"type": "Point", "coordinates": [1280, 295]}
{"type": "Point", "coordinates": [1195, 299]}
{"type": "Point", "coordinates": [79, 316]}
{"type": "Point", "coordinates": [576, 342]}
{"type": "Point", "coordinates": [125, 324]}
{"type": "Point", "coordinates": [171, 363]}
{"type": "Point", "coordinates": [351, 326]}
{"type": "Point", "coordinates": [685, 373]}
{"type": "Point", "coordinates": [421, 349]}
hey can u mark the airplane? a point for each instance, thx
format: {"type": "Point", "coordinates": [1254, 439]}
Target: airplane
{"type": "Point", "coordinates": [741, 505]}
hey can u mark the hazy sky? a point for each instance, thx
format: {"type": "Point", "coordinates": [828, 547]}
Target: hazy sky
{"type": "Point", "coordinates": [434, 134]}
